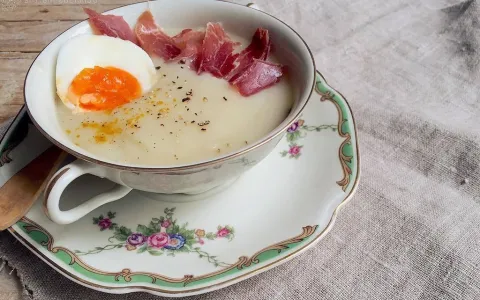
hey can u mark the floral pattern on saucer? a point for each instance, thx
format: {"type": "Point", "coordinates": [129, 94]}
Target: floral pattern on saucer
{"type": "Point", "coordinates": [298, 131]}
{"type": "Point", "coordinates": [161, 236]}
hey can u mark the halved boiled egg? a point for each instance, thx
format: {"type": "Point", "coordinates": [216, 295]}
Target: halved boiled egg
{"type": "Point", "coordinates": [98, 72]}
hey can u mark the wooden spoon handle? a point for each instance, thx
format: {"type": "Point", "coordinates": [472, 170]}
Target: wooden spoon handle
{"type": "Point", "coordinates": [20, 192]}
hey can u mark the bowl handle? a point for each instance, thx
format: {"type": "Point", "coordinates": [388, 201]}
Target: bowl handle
{"type": "Point", "coordinates": [63, 178]}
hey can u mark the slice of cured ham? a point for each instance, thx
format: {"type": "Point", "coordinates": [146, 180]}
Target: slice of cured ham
{"type": "Point", "coordinates": [111, 25]}
{"type": "Point", "coordinates": [153, 40]}
{"type": "Point", "coordinates": [217, 55]}
{"type": "Point", "coordinates": [259, 48]}
{"type": "Point", "coordinates": [190, 42]}
{"type": "Point", "coordinates": [258, 76]}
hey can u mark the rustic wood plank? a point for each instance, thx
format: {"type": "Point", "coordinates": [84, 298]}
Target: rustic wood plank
{"type": "Point", "coordinates": [52, 12]}
{"type": "Point", "coordinates": [9, 111]}
{"type": "Point", "coordinates": [31, 28]}
{"type": "Point", "coordinates": [13, 68]}
{"type": "Point", "coordinates": [73, 3]}
{"type": "Point", "coordinates": [31, 36]}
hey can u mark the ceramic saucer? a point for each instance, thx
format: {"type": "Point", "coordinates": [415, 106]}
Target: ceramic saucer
{"type": "Point", "coordinates": [176, 247]}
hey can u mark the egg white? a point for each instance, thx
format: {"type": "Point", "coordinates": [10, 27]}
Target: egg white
{"type": "Point", "coordinates": [88, 51]}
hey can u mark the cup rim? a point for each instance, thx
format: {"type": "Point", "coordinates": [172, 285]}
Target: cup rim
{"type": "Point", "coordinates": [272, 135]}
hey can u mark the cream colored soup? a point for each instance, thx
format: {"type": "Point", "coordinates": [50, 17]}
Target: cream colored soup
{"type": "Point", "coordinates": [186, 118]}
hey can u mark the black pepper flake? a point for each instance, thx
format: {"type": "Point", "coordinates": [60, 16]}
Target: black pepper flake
{"type": "Point", "coordinates": [224, 98]}
{"type": "Point", "coordinates": [164, 75]}
{"type": "Point", "coordinates": [181, 67]}
{"type": "Point", "coordinates": [192, 122]}
{"type": "Point", "coordinates": [176, 121]}
{"type": "Point", "coordinates": [204, 129]}
{"type": "Point", "coordinates": [196, 114]}
{"type": "Point", "coordinates": [162, 125]}
{"type": "Point", "coordinates": [177, 77]}
{"type": "Point", "coordinates": [158, 68]}
{"type": "Point", "coordinates": [190, 93]}
{"type": "Point", "coordinates": [173, 82]}
{"type": "Point", "coordinates": [180, 87]}
{"type": "Point", "coordinates": [205, 123]}
{"type": "Point", "coordinates": [171, 132]}
{"type": "Point", "coordinates": [182, 61]}
{"type": "Point", "coordinates": [186, 99]}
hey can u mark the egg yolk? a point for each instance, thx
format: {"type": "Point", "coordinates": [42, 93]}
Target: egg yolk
{"type": "Point", "coordinates": [100, 88]}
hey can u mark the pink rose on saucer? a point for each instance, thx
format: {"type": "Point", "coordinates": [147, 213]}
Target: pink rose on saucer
{"type": "Point", "coordinates": [294, 150]}
{"type": "Point", "coordinates": [105, 223]}
{"type": "Point", "coordinates": [166, 223]}
{"type": "Point", "coordinates": [158, 240]}
{"type": "Point", "coordinates": [223, 232]}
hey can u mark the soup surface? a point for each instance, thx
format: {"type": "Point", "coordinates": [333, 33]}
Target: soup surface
{"type": "Point", "coordinates": [185, 118]}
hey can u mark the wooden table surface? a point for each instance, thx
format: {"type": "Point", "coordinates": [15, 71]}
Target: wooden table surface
{"type": "Point", "coordinates": [26, 27]}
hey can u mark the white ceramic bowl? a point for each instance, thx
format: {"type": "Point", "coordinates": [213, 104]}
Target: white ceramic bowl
{"type": "Point", "coordinates": [40, 97]}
